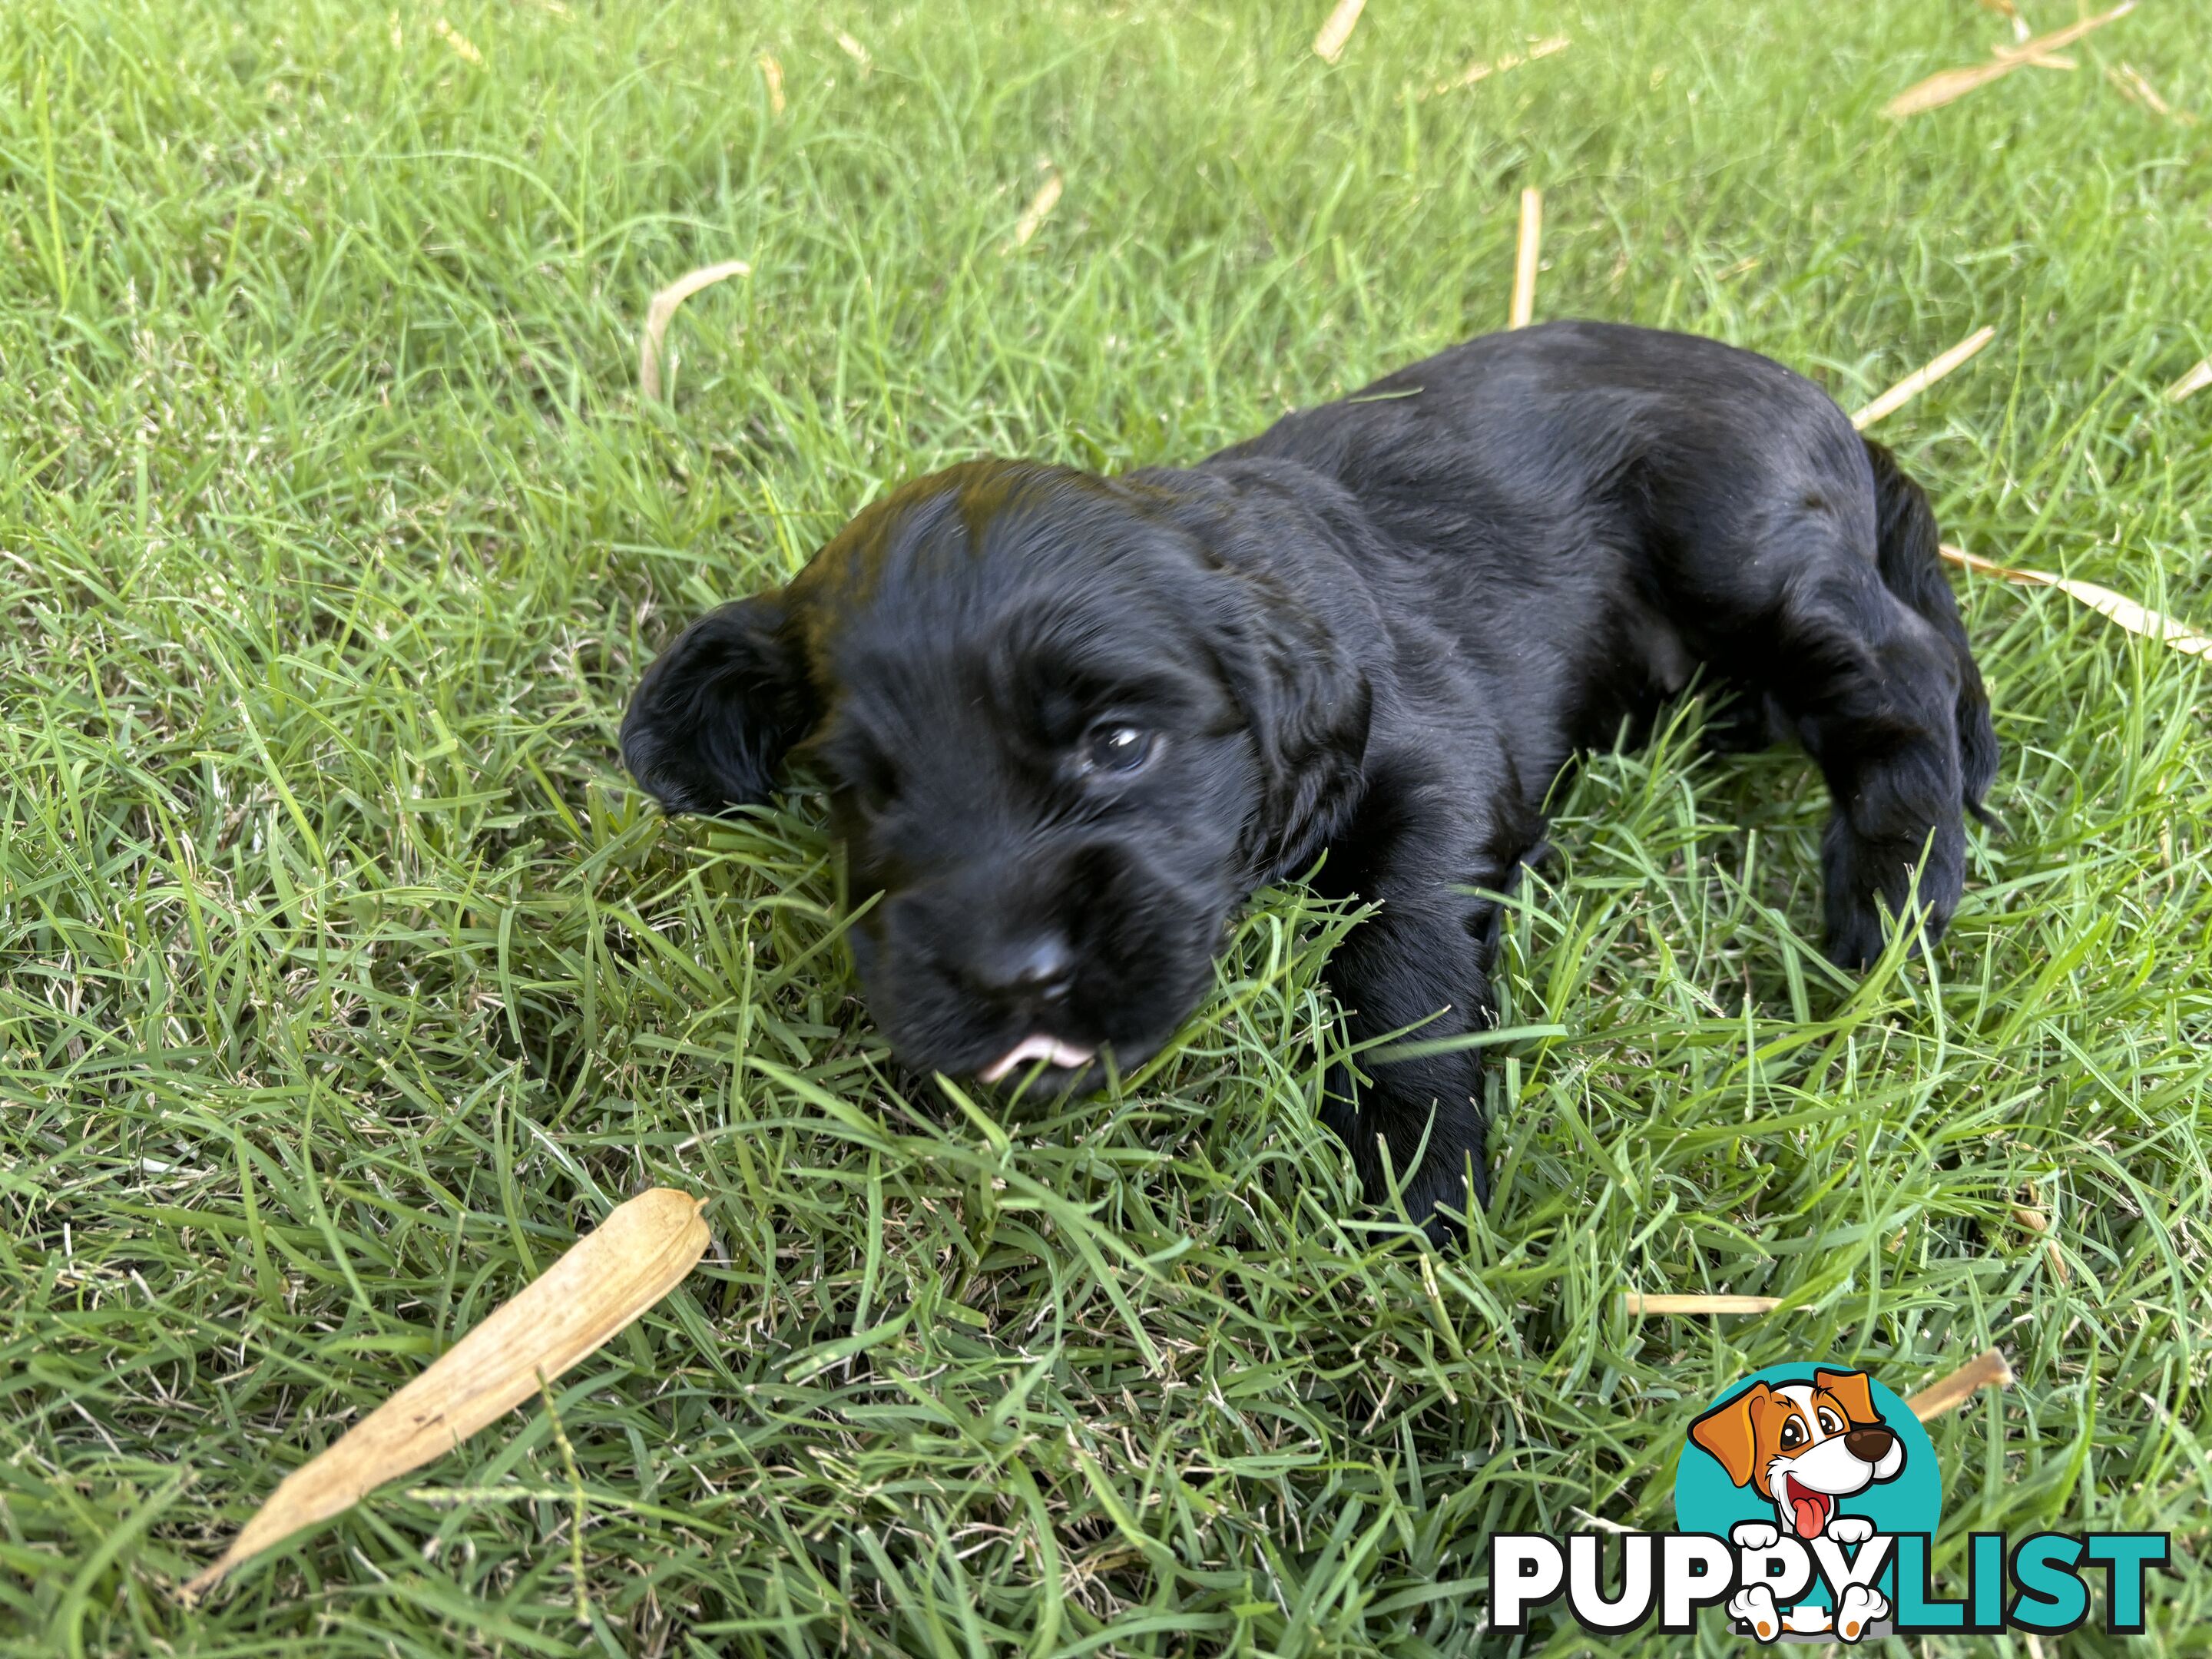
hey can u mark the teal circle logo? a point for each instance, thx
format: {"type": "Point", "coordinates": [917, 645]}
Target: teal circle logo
{"type": "Point", "coordinates": [1800, 1460]}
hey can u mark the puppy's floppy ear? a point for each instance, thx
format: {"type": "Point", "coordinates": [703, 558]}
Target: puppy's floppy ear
{"type": "Point", "coordinates": [715, 714]}
{"type": "Point", "coordinates": [1295, 633]}
{"type": "Point", "coordinates": [1309, 707]}
{"type": "Point", "coordinates": [1729, 1432]}
{"type": "Point", "coordinates": [1851, 1391]}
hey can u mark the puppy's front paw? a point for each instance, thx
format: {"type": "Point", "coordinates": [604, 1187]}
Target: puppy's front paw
{"type": "Point", "coordinates": [1757, 1534]}
{"type": "Point", "coordinates": [1850, 1529]}
{"type": "Point", "coordinates": [1859, 1607]}
{"type": "Point", "coordinates": [1867, 878]}
{"type": "Point", "coordinates": [1754, 1606]}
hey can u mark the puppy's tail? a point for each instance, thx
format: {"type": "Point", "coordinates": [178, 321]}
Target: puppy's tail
{"type": "Point", "coordinates": [1911, 568]}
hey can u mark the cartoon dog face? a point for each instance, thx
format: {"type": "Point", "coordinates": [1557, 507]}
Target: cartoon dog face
{"type": "Point", "coordinates": [1802, 1445]}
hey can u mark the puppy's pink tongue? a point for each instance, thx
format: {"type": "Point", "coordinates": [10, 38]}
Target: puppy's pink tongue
{"type": "Point", "coordinates": [1812, 1513]}
{"type": "Point", "coordinates": [1038, 1046]}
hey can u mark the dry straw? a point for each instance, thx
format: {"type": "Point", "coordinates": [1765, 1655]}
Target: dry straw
{"type": "Point", "coordinates": [1329, 45]}
{"type": "Point", "coordinates": [604, 1281]}
{"type": "Point", "coordinates": [1039, 209]}
{"type": "Point", "coordinates": [1524, 258]}
{"type": "Point", "coordinates": [2028, 1218]}
{"type": "Point", "coordinates": [2191, 383]}
{"type": "Point", "coordinates": [662, 311]}
{"type": "Point", "coordinates": [1921, 378]}
{"type": "Point", "coordinates": [1482, 70]}
{"type": "Point", "coordinates": [772, 73]}
{"type": "Point", "coordinates": [2115, 607]}
{"type": "Point", "coordinates": [1943, 88]}
{"type": "Point", "coordinates": [1635, 1302]}
{"type": "Point", "coordinates": [1984, 1370]}
{"type": "Point", "coordinates": [460, 44]}
{"type": "Point", "coordinates": [2134, 87]}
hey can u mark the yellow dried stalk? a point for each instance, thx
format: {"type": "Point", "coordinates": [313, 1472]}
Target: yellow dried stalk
{"type": "Point", "coordinates": [1947, 85]}
{"type": "Point", "coordinates": [2031, 1219]}
{"type": "Point", "coordinates": [1039, 209]}
{"type": "Point", "coordinates": [662, 311]}
{"type": "Point", "coordinates": [1328, 44]}
{"type": "Point", "coordinates": [1921, 378]}
{"type": "Point", "coordinates": [604, 1281]}
{"type": "Point", "coordinates": [461, 45]}
{"type": "Point", "coordinates": [1482, 70]}
{"type": "Point", "coordinates": [2191, 383]}
{"type": "Point", "coordinates": [1986, 1370]}
{"type": "Point", "coordinates": [2134, 87]}
{"type": "Point", "coordinates": [1636, 1302]}
{"type": "Point", "coordinates": [772, 73]}
{"type": "Point", "coordinates": [1524, 261]}
{"type": "Point", "coordinates": [2116, 607]}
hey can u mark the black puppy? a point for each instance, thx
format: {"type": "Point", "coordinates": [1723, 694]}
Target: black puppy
{"type": "Point", "coordinates": [1069, 722]}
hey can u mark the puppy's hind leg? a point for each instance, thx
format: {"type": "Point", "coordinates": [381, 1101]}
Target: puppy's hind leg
{"type": "Point", "coordinates": [1872, 689]}
{"type": "Point", "coordinates": [1910, 557]}
{"type": "Point", "coordinates": [1895, 711]}
{"type": "Point", "coordinates": [1826, 595]}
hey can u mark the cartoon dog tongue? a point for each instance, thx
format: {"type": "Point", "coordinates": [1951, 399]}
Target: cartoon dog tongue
{"type": "Point", "coordinates": [1811, 1509]}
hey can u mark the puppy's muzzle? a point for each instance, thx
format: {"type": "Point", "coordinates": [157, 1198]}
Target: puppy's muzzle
{"type": "Point", "coordinates": [1034, 971]}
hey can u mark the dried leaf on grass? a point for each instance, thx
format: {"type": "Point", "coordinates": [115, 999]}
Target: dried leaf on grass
{"type": "Point", "coordinates": [1636, 1303]}
{"type": "Point", "coordinates": [2031, 1219]}
{"type": "Point", "coordinates": [2191, 383]}
{"type": "Point", "coordinates": [772, 72]}
{"type": "Point", "coordinates": [2036, 55]}
{"type": "Point", "coordinates": [1921, 378]}
{"type": "Point", "coordinates": [603, 1282]}
{"type": "Point", "coordinates": [1524, 261]}
{"type": "Point", "coordinates": [1948, 85]}
{"type": "Point", "coordinates": [1328, 44]}
{"type": "Point", "coordinates": [1984, 1371]}
{"type": "Point", "coordinates": [2117, 607]}
{"type": "Point", "coordinates": [659, 314]}
{"type": "Point", "coordinates": [462, 46]}
{"type": "Point", "coordinates": [1039, 209]}
{"type": "Point", "coordinates": [2130, 79]}
{"type": "Point", "coordinates": [1482, 70]}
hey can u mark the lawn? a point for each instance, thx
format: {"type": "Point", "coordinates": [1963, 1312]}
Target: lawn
{"type": "Point", "coordinates": [346, 979]}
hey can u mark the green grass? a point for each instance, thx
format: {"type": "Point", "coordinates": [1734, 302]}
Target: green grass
{"type": "Point", "coordinates": [345, 978]}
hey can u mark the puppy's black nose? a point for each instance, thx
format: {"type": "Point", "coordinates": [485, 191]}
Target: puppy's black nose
{"type": "Point", "coordinates": [1870, 1444]}
{"type": "Point", "coordinates": [1036, 969]}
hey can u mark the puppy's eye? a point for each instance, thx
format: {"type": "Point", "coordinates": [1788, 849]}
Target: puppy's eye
{"type": "Point", "coordinates": [1830, 1422]}
{"type": "Point", "coordinates": [1117, 749]}
{"type": "Point", "coordinates": [1793, 1434]}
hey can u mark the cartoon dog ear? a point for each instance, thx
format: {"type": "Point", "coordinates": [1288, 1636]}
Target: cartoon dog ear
{"type": "Point", "coordinates": [1849, 1388]}
{"type": "Point", "coordinates": [1729, 1432]}
{"type": "Point", "coordinates": [717, 711]}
